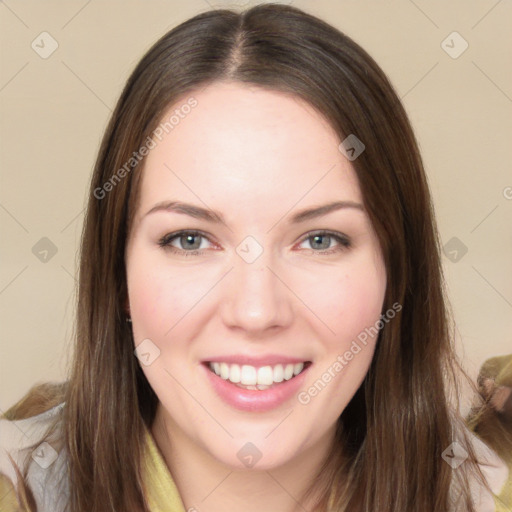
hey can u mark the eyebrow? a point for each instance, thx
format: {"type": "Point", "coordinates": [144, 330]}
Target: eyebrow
{"type": "Point", "coordinates": [216, 217]}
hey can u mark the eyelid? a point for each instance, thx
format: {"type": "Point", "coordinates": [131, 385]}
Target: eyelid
{"type": "Point", "coordinates": [344, 242]}
{"type": "Point", "coordinates": [166, 239]}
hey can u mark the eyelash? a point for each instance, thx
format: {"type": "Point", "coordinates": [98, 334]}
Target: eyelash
{"type": "Point", "coordinates": [165, 241]}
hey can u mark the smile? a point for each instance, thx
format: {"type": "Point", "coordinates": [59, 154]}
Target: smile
{"type": "Point", "coordinates": [256, 387]}
{"type": "Point", "coordinates": [260, 378]}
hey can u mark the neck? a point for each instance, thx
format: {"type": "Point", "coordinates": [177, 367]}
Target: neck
{"type": "Point", "coordinates": [206, 484]}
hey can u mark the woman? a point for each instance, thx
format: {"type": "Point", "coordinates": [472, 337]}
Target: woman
{"type": "Point", "coordinates": [260, 231]}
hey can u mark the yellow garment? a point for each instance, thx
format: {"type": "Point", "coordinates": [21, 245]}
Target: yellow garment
{"type": "Point", "coordinates": [160, 490]}
{"type": "Point", "coordinates": [162, 493]}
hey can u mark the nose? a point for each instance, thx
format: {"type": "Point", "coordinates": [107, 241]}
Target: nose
{"type": "Point", "coordinates": [256, 298]}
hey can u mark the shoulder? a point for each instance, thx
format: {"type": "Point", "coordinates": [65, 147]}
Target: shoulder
{"type": "Point", "coordinates": [35, 445]}
{"type": "Point", "coordinates": [493, 468]}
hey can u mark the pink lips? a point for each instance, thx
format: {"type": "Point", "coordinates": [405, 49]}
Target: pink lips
{"type": "Point", "coordinates": [255, 400]}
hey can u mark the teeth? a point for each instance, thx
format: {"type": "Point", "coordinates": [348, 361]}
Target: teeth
{"type": "Point", "coordinates": [248, 376]}
{"type": "Point", "coordinates": [235, 374]}
{"type": "Point", "coordinates": [265, 375]}
{"type": "Point", "coordinates": [278, 373]}
{"type": "Point", "coordinates": [256, 378]}
{"type": "Point", "coordinates": [224, 371]}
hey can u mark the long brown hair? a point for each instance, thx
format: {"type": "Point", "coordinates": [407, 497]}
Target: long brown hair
{"type": "Point", "coordinates": [394, 430]}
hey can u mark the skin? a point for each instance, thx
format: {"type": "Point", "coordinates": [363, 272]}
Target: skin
{"type": "Point", "coordinates": [256, 156]}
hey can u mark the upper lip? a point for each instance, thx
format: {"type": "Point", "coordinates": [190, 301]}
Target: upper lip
{"type": "Point", "coordinates": [257, 361]}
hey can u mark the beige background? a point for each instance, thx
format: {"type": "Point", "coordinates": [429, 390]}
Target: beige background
{"type": "Point", "coordinates": [54, 111]}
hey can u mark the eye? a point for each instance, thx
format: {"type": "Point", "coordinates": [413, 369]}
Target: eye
{"type": "Point", "coordinates": [320, 242]}
{"type": "Point", "coordinates": [189, 241]}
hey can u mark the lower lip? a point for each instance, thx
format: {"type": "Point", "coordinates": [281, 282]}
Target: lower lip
{"type": "Point", "coordinates": [255, 400]}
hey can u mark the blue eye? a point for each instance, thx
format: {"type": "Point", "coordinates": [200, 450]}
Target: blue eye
{"type": "Point", "coordinates": [322, 240]}
{"type": "Point", "coordinates": [190, 242]}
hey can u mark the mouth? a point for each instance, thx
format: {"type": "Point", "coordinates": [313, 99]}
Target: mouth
{"type": "Point", "coordinates": [256, 378]}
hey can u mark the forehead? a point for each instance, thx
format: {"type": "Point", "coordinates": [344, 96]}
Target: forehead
{"type": "Point", "coordinates": [245, 145]}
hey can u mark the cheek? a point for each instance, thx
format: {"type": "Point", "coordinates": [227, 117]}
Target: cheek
{"type": "Point", "coordinates": [159, 300]}
{"type": "Point", "coordinates": [167, 307]}
{"type": "Point", "coordinates": [151, 298]}
{"type": "Point", "coordinates": [352, 306]}
{"type": "Point", "coordinates": [159, 294]}
{"type": "Point", "coordinates": [147, 296]}
{"type": "Point", "coordinates": [349, 301]}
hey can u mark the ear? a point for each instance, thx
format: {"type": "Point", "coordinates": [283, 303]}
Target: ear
{"type": "Point", "coordinates": [126, 306]}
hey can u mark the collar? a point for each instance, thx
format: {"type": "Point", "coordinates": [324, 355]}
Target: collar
{"type": "Point", "coordinates": [163, 496]}
{"type": "Point", "coordinates": [161, 491]}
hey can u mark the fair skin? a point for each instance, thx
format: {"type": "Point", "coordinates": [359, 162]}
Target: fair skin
{"type": "Point", "coordinates": [257, 157]}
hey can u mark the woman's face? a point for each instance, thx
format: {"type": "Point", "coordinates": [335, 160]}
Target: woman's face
{"type": "Point", "coordinates": [259, 287]}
